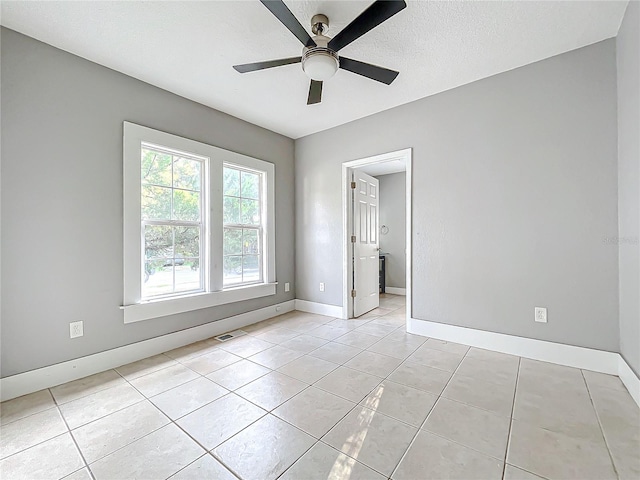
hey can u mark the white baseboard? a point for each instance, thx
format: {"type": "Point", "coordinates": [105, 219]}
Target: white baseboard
{"type": "Point", "coordinates": [569, 355]}
{"type": "Point", "coordinates": [34, 380]}
{"type": "Point", "coordinates": [319, 308]}
{"type": "Point", "coordinates": [395, 290]}
{"type": "Point", "coordinates": [630, 379]}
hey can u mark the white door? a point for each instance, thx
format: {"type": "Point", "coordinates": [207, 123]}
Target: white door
{"type": "Point", "coordinates": [365, 243]}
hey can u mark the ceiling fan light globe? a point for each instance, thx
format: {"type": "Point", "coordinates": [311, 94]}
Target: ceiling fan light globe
{"type": "Point", "coordinates": [320, 66]}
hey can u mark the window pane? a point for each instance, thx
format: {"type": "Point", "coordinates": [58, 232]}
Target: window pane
{"type": "Point", "coordinates": [250, 241]}
{"type": "Point", "coordinates": [158, 279]}
{"type": "Point", "coordinates": [231, 212]}
{"type": "Point", "coordinates": [155, 168]}
{"type": "Point", "coordinates": [250, 185]}
{"type": "Point", "coordinates": [186, 173]}
{"type": "Point", "coordinates": [186, 205]}
{"type": "Point", "coordinates": [232, 270]}
{"type": "Point", "coordinates": [187, 277]}
{"type": "Point", "coordinates": [251, 268]}
{"type": "Point", "coordinates": [156, 203]}
{"type": "Point", "coordinates": [232, 241]}
{"type": "Point", "coordinates": [250, 212]}
{"type": "Point", "coordinates": [231, 182]}
{"type": "Point", "coordinates": [187, 242]}
{"type": "Point", "coordinates": [158, 241]}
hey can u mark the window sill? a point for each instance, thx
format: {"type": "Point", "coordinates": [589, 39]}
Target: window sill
{"type": "Point", "coordinates": [170, 306]}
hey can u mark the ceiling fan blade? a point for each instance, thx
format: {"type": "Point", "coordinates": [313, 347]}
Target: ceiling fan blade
{"type": "Point", "coordinates": [252, 67]}
{"type": "Point", "coordinates": [315, 92]}
{"type": "Point", "coordinates": [380, 74]}
{"type": "Point", "coordinates": [288, 19]}
{"type": "Point", "coordinates": [378, 12]}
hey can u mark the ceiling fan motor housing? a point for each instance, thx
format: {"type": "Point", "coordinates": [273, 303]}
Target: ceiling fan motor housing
{"type": "Point", "coordinates": [320, 62]}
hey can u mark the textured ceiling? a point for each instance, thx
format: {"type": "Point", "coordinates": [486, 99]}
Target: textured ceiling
{"type": "Point", "coordinates": [189, 48]}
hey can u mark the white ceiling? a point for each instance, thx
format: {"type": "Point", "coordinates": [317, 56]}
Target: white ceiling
{"type": "Point", "coordinates": [189, 48]}
{"type": "Point", "coordinates": [384, 168]}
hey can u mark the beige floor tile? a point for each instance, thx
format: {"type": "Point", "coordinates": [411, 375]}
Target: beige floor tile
{"type": "Point", "coordinates": [357, 339]}
{"type": "Point", "coordinates": [314, 411]}
{"type": "Point", "coordinates": [500, 370]}
{"type": "Point", "coordinates": [206, 467]}
{"type": "Point", "coordinates": [163, 380]}
{"type": "Point", "coordinates": [374, 439]}
{"type": "Point", "coordinates": [216, 422]}
{"type": "Point", "coordinates": [436, 358]}
{"type": "Point", "coordinates": [192, 350]}
{"type": "Point", "coordinates": [483, 431]}
{"type": "Point", "coordinates": [245, 346]}
{"type": "Point", "coordinates": [30, 431]}
{"type": "Point", "coordinates": [565, 411]}
{"type": "Point", "coordinates": [275, 357]}
{"type": "Point", "coordinates": [238, 374]}
{"type": "Point", "coordinates": [158, 455]}
{"type": "Point", "coordinates": [554, 455]}
{"type": "Point", "coordinates": [54, 458]}
{"type": "Point", "coordinates": [547, 378]}
{"type": "Point", "coordinates": [377, 312]}
{"type": "Point", "coordinates": [308, 369]}
{"type": "Point", "coordinates": [86, 386]}
{"type": "Point", "coordinates": [82, 474]}
{"type": "Point", "coordinates": [99, 404]}
{"type": "Point", "coordinates": [433, 457]}
{"type": "Point", "coordinates": [376, 329]}
{"type": "Point", "coordinates": [401, 335]}
{"type": "Point", "coordinates": [515, 473]}
{"type": "Point", "coordinates": [418, 376]}
{"type": "Point", "coordinates": [145, 366]}
{"type": "Point", "coordinates": [403, 403]}
{"type": "Point", "coordinates": [335, 352]}
{"type": "Point", "coordinates": [328, 332]}
{"type": "Point", "coordinates": [323, 462]}
{"type": "Point", "coordinates": [374, 363]}
{"type": "Point", "coordinates": [300, 324]}
{"type": "Point", "coordinates": [494, 397]}
{"type": "Point", "coordinates": [445, 346]}
{"type": "Point", "coordinates": [304, 343]}
{"type": "Point", "coordinates": [271, 390]}
{"type": "Point", "coordinates": [106, 435]}
{"type": "Point", "coordinates": [186, 398]}
{"type": "Point", "coordinates": [350, 324]}
{"type": "Point", "coordinates": [348, 383]}
{"type": "Point", "coordinates": [212, 361]}
{"type": "Point", "coordinates": [278, 335]}
{"type": "Point", "coordinates": [391, 320]}
{"type": "Point", "coordinates": [264, 450]}
{"type": "Point", "coordinates": [399, 350]}
{"type": "Point", "coordinates": [601, 380]}
{"type": "Point", "coordinates": [21, 407]}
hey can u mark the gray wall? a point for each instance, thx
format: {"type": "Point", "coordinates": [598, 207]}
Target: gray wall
{"type": "Point", "coordinates": [628, 53]}
{"type": "Point", "coordinates": [514, 196]}
{"type": "Point", "coordinates": [62, 200]}
{"type": "Point", "coordinates": [393, 215]}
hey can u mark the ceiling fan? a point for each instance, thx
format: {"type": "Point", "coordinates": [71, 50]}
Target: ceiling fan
{"type": "Point", "coordinates": [320, 60]}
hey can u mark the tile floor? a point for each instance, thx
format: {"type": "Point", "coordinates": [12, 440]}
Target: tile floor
{"type": "Point", "coordinates": [306, 397]}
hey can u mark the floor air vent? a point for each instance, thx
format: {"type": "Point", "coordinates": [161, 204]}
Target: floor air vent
{"type": "Point", "coordinates": [228, 336]}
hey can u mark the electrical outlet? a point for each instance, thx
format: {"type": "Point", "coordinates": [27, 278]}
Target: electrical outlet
{"type": "Point", "coordinates": [322, 287]}
{"type": "Point", "coordinates": [76, 329]}
{"type": "Point", "coordinates": [540, 314]}
{"type": "Point", "coordinates": [287, 287]}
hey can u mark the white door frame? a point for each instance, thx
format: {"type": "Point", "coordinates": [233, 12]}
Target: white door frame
{"type": "Point", "coordinates": [347, 220]}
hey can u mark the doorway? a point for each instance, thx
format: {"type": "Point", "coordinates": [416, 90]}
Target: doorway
{"type": "Point", "coordinates": [363, 234]}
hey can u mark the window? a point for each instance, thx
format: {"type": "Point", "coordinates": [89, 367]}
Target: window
{"type": "Point", "coordinates": [198, 225]}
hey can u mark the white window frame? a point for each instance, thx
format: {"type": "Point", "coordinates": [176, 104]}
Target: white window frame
{"type": "Point", "coordinates": [136, 309]}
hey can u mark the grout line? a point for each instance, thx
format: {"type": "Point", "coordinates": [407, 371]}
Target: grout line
{"type": "Point", "coordinates": [604, 437]}
{"type": "Point", "coordinates": [413, 440]}
{"type": "Point", "coordinates": [84, 460]}
{"type": "Point", "coordinates": [513, 405]}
